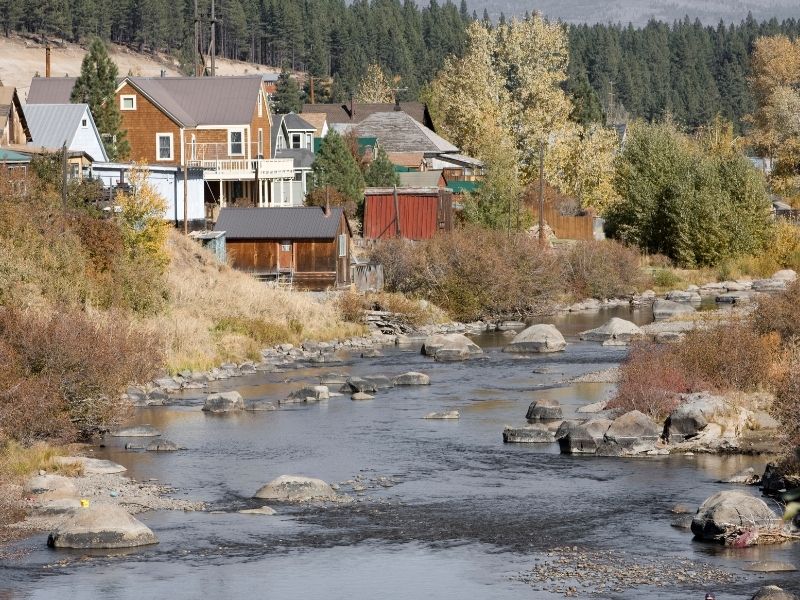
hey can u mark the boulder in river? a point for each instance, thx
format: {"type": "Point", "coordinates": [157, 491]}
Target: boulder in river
{"type": "Point", "coordinates": [92, 466]}
{"type": "Point", "coordinates": [224, 402]}
{"type": "Point", "coordinates": [773, 592]}
{"type": "Point", "coordinates": [358, 384]}
{"type": "Point", "coordinates": [100, 526]}
{"type": "Point", "coordinates": [296, 488]}
{"type": "Point", "coordinates": [136, 431]}
{"type": "Point", "coordinates": [264, 510]}
{"type": "Point", "coordinates": [664, 309]}
{"type": "Point", "coordinates": [692, 416]}
{"type": "Point", "coordinates": [529, 434]}
{"type": "Point", "coordinates": [362, 396]}
{"type": "Point", "coordinates": [769, 285]}
{"type": "Point", "coordinates": [412, 378]}
{"type": "Point", "coordinates": [785, 275]}
{"type": "Point", "coordinates": [746, 477]}
{"type": "Point", "coordinates": [163, 446]}
{"type": "Point", "coordinates": [632, 433]}
{"type": "Point", "coordinates": [309, 393]}
{"type": "Point", "coordinates": [732, 517]}
{"type": "Point", "coordinates": [541, 338]}
{"type": "Point", "coordinates": [49, 487]}
{"type": "Point", "coordinates": [617, 331]}
{"type": "Point", "coordinates": [684, 296]}
{"type": "Point", "coordinates": [544, 409]}
{"type": "Point", "coordinates": [584, 438]}
{"type": "Point", "coordinates": [380, 382]}
{"type": "Point", "coordinates": [450, 414]}
{"type": "Point", "coordinates": [259, 405]}
{"type": "Point", "coordinates": [450, 347]}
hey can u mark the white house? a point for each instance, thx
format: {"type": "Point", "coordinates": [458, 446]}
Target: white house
{"type": "Point", "coordinates": [293, 137]}
{"type": "Point", "coordinates": [53, 125]}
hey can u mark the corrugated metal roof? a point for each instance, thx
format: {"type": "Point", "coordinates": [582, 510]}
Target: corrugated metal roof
{"type": "Point", "coordinates": [196, 101]}
{"type": "Point", "coordinates": [52, 125]}
{"type": "Point", "coordinates": [50, 90]}
{"type": "Point", "coordinates": [420, 178]}
{"type": "Point", "coordinates": [283, 223]}
{"type": "Point", "coordinates": [399, 132]}
{"type": "Point", "coordinates": [296, 123]}
{"type": "Point", "coordinates": [303, 157]}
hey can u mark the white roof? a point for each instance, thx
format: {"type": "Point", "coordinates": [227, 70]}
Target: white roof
{"type": "Point", "coordinates": [53, 125]}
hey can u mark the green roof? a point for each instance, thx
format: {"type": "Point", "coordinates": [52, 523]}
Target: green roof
{"type": "Point", "coordinates": [402, 169]}
{"type": "Point", "coordinates": [363, 143]}
{"type": "Point", "coordinates": [462, 187]}
{"type": "Point", "coordinates": [11, 156]}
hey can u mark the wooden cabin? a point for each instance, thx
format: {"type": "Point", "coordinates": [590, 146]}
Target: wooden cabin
{"type": "Point", "coordinates": [408, 213]}
{"type": "Point", "coordinates": [307, 246]}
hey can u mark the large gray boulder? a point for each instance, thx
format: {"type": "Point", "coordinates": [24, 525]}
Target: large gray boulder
{"type": "Point", "coordinates": [769, 285]}
{"type": "Point", "coordinates": [296, 488]}
{"type": "Point", "coordinates": [309, 393]}
{"type": "Point", "coordinates": [632, 433]}
{"type": "Point", "coordinates": [617, 331]}
{"type": "Point", "coordinates": [692, 416]}
{"type": "Point", "coordinates": [136, 431]}
{"type": "Point", "coordinates": [100, 526]}
{"type": "Point", "coordinates": [529, 434]}
{"type": "Point", "coordinates": [584, 438]}
{"type": "Point", "coordinates": [380, 382]}
{"type": "Point", "coordinates": [358, 384]}
{"type": "Point", "coordinates": [537, 339]}
{"type": "Point", "coordinates": [684, 296]}
{"type": "Point", "coordinates": [728, 514]}
{"type": "Point", "coordinates": [224, 402]}
{"type": "Point", "coordinates": [92, 466]}
{"type": "Point", "coordinates": [49, 487]}
{"type": "Point", "coordinates": [773, 592]}
{"type": "Point", "coordinates": [785, 275]}
{"type": "Point", "coordinates": [664, 309]}
{"type": "Point", "coordinates": [412, 378]}
{"type": "Point", "coordinates": [544, 409]}
{"type": "Point", "coordinates": [450, 347]}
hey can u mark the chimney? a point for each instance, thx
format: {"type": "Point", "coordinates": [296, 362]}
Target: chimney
{"type": "Point", "coordinates": [47, 60]}
{"type": "Point", "coordinates": [163, 73]}
{"type": "Point", "coordinates": [397, 103]}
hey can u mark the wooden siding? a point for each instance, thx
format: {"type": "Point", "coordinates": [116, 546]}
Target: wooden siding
{"type": "Point", "coordinates": [421, 215]}
{"type": "Point", "coordinates": [566, 227]}
{"type": "Point", "coordinates": [262, 122]}
{"type": "Point", "coordinates": [142, 125]}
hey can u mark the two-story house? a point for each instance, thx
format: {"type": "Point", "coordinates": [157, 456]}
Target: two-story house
{"type": "Point", "coordinates": [13, 125]}
{"type": "Point", "coordinates": [293, 138]}
{"type": "Point", "coordinates": [220, 125]}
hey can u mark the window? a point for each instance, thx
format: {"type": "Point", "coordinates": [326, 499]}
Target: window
{"type": "Point", "coordinates": [260, 143]}
{"type": "Point", "coordinates": [342, 245]}
{"type": "Point", "coordinates": [260, 106]}
{"type": "Point", "coordinates": [236, 142]}
{"type": "Point", "coordinates": [296, 137]}
{"type": "Point", "coordinates": [84, 122]}
{"type": "Point", "coordinates": [298, 176]}
{"type": "Point", "coordinates": [286, 246]}
{"type": "Point", "coordinates": [163, 146]}
{"type": "Point", "coordinates": [74, 171]}
{"type": "Point", "coordinates": [309, 143]}
{"type": "Point", "coordinates": [127, 102]}
{"type": "Point", "coordinates": [194, 147]}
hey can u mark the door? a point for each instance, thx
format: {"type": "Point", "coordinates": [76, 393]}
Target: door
{"type": "Point", "coordinates": [285, 256]}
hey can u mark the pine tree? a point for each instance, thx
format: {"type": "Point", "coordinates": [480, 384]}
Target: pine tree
{"type": "Point", "coordinates": [287, 94]}
{"type": "Point", "coordinates": [335, 166]}
{"type": "Point", "coordinates": [380, 172]}
{"type": "Point", "coordinates": [96, 87]}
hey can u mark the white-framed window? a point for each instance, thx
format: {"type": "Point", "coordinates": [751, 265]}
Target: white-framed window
{"type": "Point", "coordinates": [164, 146]}
{"type": "Point", "coordinates": [286, 246]}
{"type": "Point", "coordinates": [127, 102]}
{"type": "Point", "coordinates": [84, 122]}
{"type": "Point", "coordinates": [261, 143]}
{"type": "Point", "coordinates": [260, 105]}
{"type": "Point", "coordinates": [236, 142]}
{"type": "Point", "coordinates": [296, 140]}
{"type": "Point", "coordinates": [342, 245]}
{"type": "Point", "coordinates": [309, 142]}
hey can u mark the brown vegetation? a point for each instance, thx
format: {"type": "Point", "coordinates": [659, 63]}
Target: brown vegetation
{"type": "Point", "coordinates": [602, 269]}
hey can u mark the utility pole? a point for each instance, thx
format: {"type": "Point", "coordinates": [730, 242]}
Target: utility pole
{"type": "Point", "coordinates": [542, 240]}
{"type": "Point", "coordinates": [311, 83]}
{"type": "Point", "coordinates": [213, 39]}
{"type": "Point", "coordinates": [610, 116]}
{"type": "Point", "coordinates": [64, 183]}
{"type": "Point", "coordinates": [196, 39]}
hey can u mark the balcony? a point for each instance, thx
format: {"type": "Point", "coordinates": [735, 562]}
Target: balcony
{"type": "Point", "coordinates": [219, 165]}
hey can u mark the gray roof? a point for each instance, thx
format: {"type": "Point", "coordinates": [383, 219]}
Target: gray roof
{"type": "Point", "coordinates": [282, 223]}
{"type": "Point", "coordinates": [398, 132]}
{"type": "Point", "coordinates": [50, 90]}
{"type": "Point", "coordinates": [420, 178]}
{"type": "Point", "coordinates": [341, 113]}
{"type": "Point", "coordinates": [193, 101]}
{"type": "Point", "coordinates": [296, 123]}
{"type": "Point", "coordinates": [55, 124]}
{"type": "Point", "coordinates": [303, 157]}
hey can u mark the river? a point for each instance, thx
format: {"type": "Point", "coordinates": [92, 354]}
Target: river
{"type": "Point", "coordinates": [466, 516]}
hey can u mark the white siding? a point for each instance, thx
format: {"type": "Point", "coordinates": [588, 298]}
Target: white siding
{"type": "Point", "coordinates": [88, 140]}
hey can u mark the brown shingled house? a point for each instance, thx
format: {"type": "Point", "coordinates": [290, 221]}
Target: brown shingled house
{"type": "Point", "coordinates": [13, 126]}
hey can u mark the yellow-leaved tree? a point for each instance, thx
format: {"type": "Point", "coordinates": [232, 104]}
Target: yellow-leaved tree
{"type": "Point", "coordinates": [776, 121]}
{"type": "Point", "coordinates": [375, 87]}
{"type": "Point", "coordinates": [141, 219]}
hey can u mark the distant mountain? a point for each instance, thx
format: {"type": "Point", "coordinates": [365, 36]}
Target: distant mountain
{"type": "Point", "coordinates": [639, 12]}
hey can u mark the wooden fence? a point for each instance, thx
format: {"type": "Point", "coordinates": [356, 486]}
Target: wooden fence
{"type": "Point", "coordinates": [564, 227]}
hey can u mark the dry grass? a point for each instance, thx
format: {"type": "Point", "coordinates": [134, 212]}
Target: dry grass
{"type": "Point", "coordinates": [217, 314]}
{"type": "Point", "coordinates": [18, 461]}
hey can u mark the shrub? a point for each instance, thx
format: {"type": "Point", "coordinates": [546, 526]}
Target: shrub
{"type": "Point", "coordinates": [785, 408]}
{"type": "Point", "coordinates": [785, 245]}
{"type": "Point", "coordinates": [664, 278]}
{"type": "Point", "coordinates": [780, 313]}
{"type": "Point", "coordinates": [351, 306]}
{"type": "Point", "coordinates": [601, 269]}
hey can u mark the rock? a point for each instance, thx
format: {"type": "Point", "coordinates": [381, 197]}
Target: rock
{"type": "Point", "coordinates": [371, 353]}
{"type": "Point", "coordinates": [259, 404]}
{"type": "Point", "coordinates": [412, 378]}
{"type": "Point", "coordinates": [773, 592]}
{"type": "Point", "coordinates": [451, 414]}
{"type": "Point", "coordinates": [735, 297]}
{"type": "Point", "coordinates": [537, 338]}
{"type": "Point", "coordinates": [380, 382]}
{"type": "Point", "coordinates": [770, 566]}
{"type": "Point", "coordinates": [296, 488]}
{"type": "Point", "coordinates": [358, 384]}
{"type": "Point", "coordinates": [529, 434]}
{"type": "Point", "coordinates": [330, 379]}
{"type": "Point", "coordinates": [769, 285]}
{"type": "Point", "coordinates": [92, 466]}
{"type": "Point", "coordinates": [664, 309]}
{"type": "Point", "coordinates": [167, 384]}
{"type": "Point", "coordinates": [687, 296]}
{"type": "Point", "coordinates": [785, 275]}
{"type": "Point", "coordinates": [728, 514]}
{"type": "Point", "coordinates": [775, 480]}
{"type": "Point", "coordinates": [510, 325]}
{"type": "Point", "coordinates": [136, 431]}
{"type": "Point", "coordinates": [746, 477]}
{"type": "Point", "coordinates": [761, 421]}
{"type": "Point", "coordinates": [544, 409]}
{"type": "Point", "coordinates": [58, 506]}
{"type": "Point", "coordinates": [264, 510]}
{"type": "Point", "coordinates": [584, 438]}
{"type": "Point", "coordinates": [691, 417]}
{"type": "Point", "coordinates": [617, 330]}
{"type": "Point", "coordinates": [632, 433]}
{"type": "Point", "coordinates": [224, 402]}
{"type": "Point", "coordinates": [682, 522]}
{"type": "Point", "coordinates": [362, 396]}
{"type": "Point", "coordinates": [311, 393]}
{"type": "Point", "coordinates": [100, 526]}
{"type": "Point", "coordinates": [595, 407]}
{"type": "Point", "coordinates": [49, 487]}
{"type": "Point", "coordinates": [163, 446]}
{"type": "Point", "coordinates": [450, 347]}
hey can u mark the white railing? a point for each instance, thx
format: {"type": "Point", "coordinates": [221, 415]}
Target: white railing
{"type": "Point", "coordinates": [218, 164]}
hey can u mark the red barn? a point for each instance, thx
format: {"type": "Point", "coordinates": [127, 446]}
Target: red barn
{"type": "Point", "coordinates": [409, 213]}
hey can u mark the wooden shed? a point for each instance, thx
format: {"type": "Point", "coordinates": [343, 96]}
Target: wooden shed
{"type": "Point", "coordinates": [409, 213]}
{"type": "Point", "coordinates": [307, 246]}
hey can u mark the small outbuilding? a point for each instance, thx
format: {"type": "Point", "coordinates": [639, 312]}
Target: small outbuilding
{"type": "Point", "coordinates": [308, 246]}
{"type": "Point", "coordinates": [412, 213]}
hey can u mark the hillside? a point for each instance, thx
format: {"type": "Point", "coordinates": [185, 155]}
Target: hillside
{"type": "Point", "coordinates": [23, 59]}
{"type": "Point", "coordinates": [639, 12]}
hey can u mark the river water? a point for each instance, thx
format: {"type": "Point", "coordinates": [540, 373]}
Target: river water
{"type": "Point", "coordinates": [466, 515]}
